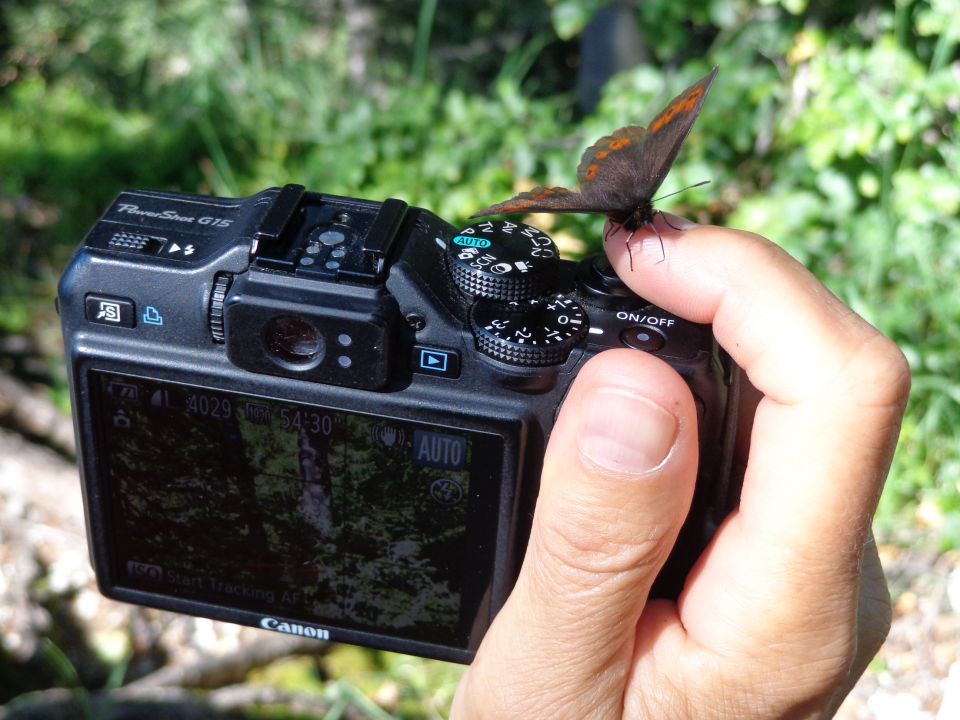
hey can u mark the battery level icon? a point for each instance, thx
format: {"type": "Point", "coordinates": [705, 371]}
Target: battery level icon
{"type": "Point", "coordinates": [124, 391]}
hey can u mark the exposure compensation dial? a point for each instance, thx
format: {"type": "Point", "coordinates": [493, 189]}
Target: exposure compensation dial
{"type": "Point", "coordinates": [532, 333]}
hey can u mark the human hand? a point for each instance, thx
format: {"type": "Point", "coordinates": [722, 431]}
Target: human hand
{"type": "Point", "coordinates": [788, 604]}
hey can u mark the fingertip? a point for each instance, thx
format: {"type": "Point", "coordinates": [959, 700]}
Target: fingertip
{"type": "Point", "coordinates": [689, 272]}
{"type": "Point", "coordinates": [618, 475]}
{"type": "Point", "coordinates": [616, 486]}
{"type": "Point", "coordinates": [663, 223]}
{"type": "Point", "coordinates": [622, 374]}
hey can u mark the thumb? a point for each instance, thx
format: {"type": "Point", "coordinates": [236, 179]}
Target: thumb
{"type": "Point", "coordinates": [616, 486]}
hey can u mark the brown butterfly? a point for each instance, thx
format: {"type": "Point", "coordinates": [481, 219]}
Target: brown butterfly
{"type": "Point", "coordinates": [620, 173]}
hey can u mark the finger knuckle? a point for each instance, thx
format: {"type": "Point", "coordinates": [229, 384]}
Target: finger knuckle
{"type": "Point", "coordinates": [529, 690]}
{"type": "Point", "coordinates": [800, 670]}
{"type": "Point", "coordinates": [880, 373]}
{"type": "Point", "coordinates": [583, 546]}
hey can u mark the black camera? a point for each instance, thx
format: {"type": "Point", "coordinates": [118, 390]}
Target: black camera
{"type": "Point", "coordinates": [326, 416]}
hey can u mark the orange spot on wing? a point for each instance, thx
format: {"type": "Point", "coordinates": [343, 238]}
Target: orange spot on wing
{"type": "Point", "coordinates": [547, 192]}
{"type": "Point", "coordinates": [602, 155]}
{"type": "Point", "coordinates": [680, 107]}
{"type": "Point", "coordinates": [620, 144]}
{"type": "Point", "coordinates": [591, 171]}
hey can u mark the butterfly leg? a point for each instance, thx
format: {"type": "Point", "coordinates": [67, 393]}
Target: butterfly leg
{"type": "Point", "coordinates": [614, 227]}
{"type": "Point", "coordinates": [667, 221]}
{"type": "Point", "coordinates": [629, 251]}
{"type": "Point", "coordinates": [663, 253]}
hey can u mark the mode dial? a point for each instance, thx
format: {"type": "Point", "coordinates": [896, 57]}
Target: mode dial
{"type": "Point", "coordinates": [532, 333]}
{"type": "Point", "coordinates": [502, 260]}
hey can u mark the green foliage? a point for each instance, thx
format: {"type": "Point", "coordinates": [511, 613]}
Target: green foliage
{"type": "Point", "coordinates": [570, 17]}
{"type": "Point", "coordinates": [401, 686]}
{"type": "Point", "coordinates": [409, 687]}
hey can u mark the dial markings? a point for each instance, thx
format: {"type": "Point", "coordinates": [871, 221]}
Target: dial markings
{"type": "Point", "coordinates": [535, 332]}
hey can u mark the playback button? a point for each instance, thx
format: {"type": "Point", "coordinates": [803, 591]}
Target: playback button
{"type": "Point", "coordinates": [436, 361]}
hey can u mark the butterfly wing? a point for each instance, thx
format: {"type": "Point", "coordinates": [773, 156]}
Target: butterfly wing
{"type": "Point", "coordinates": [609, 170]}
{"type": "Point", "coordinates": [624, 170]}
{"type": "Point", "coordinates": [669, 129]}
{"type": "Point", "coordinates": [541, 199]}
{"type": "Point", "coordinates": [619, 172]}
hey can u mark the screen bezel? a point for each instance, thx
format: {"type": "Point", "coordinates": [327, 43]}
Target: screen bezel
{"type": "Point", "coordinates": [495, 561]}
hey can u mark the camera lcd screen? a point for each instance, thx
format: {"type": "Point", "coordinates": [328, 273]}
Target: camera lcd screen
{"type": "Point", "coordinates": [298, 511]}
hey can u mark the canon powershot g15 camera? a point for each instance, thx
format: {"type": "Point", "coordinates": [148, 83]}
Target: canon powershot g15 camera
{"type": "Point", "coordinates": [326, 416]}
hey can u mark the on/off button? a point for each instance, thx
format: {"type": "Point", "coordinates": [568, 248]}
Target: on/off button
{"type": "Point", "coordinates": [643, 337]}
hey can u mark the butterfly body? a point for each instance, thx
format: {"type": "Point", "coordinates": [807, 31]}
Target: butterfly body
{"type": "Point", "coordinates": [641, 215]}
{"type": "Point", "coordinates": [619, 174]}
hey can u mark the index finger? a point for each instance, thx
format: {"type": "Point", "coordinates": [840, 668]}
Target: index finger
{"type": "Point", "coordinates": [834, 389]}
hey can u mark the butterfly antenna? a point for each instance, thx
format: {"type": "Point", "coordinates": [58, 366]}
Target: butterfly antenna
{"type": "Point", "coordinates": [677, 192]}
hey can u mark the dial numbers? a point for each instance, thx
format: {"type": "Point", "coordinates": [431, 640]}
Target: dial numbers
{"type": "Point", "coordinates": [537, 332]}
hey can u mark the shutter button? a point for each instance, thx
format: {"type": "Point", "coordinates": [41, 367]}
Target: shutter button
{"type": "Point", "coordinates": [599, 285]}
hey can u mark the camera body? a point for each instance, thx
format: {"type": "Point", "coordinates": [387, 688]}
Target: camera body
{"type": "Point", "coordinates": [327, 416]}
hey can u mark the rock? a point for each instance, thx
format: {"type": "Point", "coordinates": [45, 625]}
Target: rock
{"type": "Point", "coordinates": [916, 674]}
{"type": "Point", "coordinates": [41, 537]}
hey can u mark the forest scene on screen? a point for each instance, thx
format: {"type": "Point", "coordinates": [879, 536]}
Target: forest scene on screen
{"type": "Point", "coordinates": [326, 516]}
